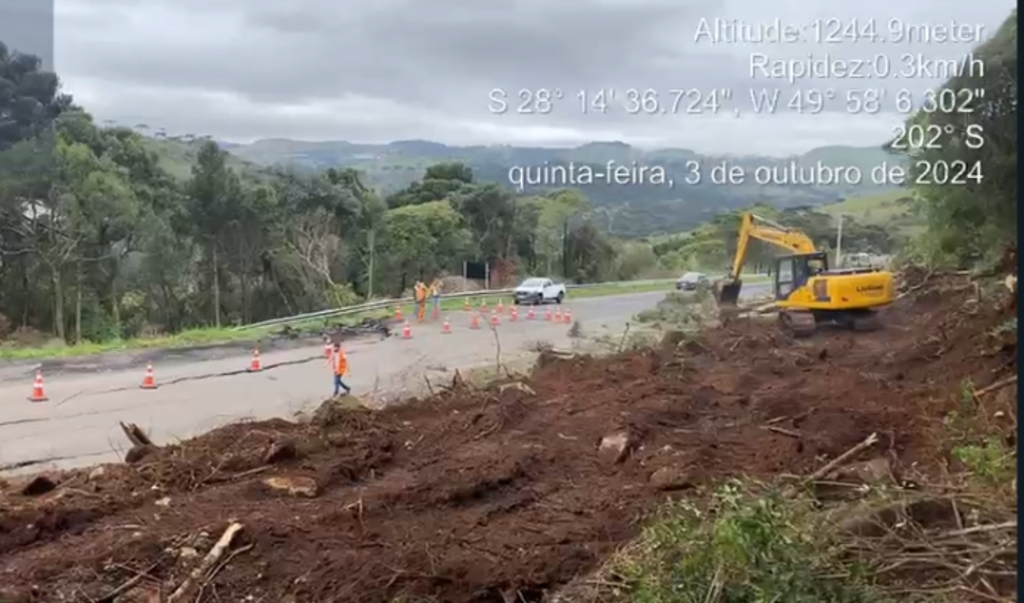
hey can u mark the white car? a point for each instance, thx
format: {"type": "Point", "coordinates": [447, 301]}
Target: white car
{"type": "Point", "coordinates": [535, 291]}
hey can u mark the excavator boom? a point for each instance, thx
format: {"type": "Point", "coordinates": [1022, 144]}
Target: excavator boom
{"type": "Point", "coordinates": [762, 229]}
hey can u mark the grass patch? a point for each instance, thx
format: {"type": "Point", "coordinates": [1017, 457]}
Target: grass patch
{"type": "Point", "coordinates": [744, 547]}
{"type": "Point", "coordinates": [191, 337]}
{"type": "Point", "coordinates": [894, 210]}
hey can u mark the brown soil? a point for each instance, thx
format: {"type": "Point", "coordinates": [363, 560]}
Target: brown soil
{"type": "Point", "coordinates": [483, 495]}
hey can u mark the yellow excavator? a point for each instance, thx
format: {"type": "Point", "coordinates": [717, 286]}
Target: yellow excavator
{"type": "Point", "coordinates": [806, 292]}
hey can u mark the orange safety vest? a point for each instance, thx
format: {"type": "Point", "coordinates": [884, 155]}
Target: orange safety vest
{"type": "Point", "coordinates": [421, 292]}
{"type": "Point", "coordinates": [340, 360]}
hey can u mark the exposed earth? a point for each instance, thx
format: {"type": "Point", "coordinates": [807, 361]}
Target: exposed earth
{"type": "Point", "coordinates": [504, 493]}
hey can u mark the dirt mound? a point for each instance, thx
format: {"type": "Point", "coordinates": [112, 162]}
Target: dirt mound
{"type": "Point", "coordinates": [506, 493]}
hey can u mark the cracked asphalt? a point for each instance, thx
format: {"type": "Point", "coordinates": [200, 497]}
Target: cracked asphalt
{"type": "Point", "coordinates": [201, 389]}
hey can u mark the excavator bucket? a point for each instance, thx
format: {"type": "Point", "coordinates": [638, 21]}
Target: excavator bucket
{"type": "Point", "coordinates": [729, 292]}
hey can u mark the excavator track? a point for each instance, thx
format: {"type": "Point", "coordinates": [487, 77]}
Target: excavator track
{"type": "Point", "coordinates": [867, 323]}
{"type": "Point", "coordinates": [797, 323]}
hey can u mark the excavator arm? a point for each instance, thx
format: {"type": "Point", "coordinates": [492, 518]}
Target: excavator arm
{"type": "Point", "coordinates": [762, 229]}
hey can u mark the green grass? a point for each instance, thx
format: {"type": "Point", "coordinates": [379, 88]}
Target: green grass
{"type": "Point", "coordinates": [748, 547]}
{"type": "Point", "coordinates": [211, 335]}
{"type": "Point", "coordinates": [879, 209]}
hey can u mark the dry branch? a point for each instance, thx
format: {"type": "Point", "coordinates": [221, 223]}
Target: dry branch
{"type": "Point", "coordinates": [206, 564]}
{"type": "Point", "coordinates": [868, 442]}
{"type": "Point", "coordinates": [998, 385]}
{"type": "Point", "coordinates": [135, 434]}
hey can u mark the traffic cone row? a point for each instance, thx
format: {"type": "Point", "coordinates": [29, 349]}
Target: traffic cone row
{"type": "Point", "coordinates": [475, 320]}
{"type": "Point", "coordinates": [149, 377]}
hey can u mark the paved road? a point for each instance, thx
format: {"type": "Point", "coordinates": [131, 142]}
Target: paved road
{"type": "Point", "coordinates": [78, 425]}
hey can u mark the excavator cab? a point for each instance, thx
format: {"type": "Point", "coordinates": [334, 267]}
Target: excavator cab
{"type": "Point", "coordinates": [791, 272]}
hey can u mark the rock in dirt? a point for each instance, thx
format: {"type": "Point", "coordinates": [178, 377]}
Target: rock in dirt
{"type": "Point", "coordinates": [280, 450]}
{"type": "Point", "coordinates": [38, 485]}
{"type": "Point", "coordinates": [617, 446]}
{"type": "Point", "coordinates": [137, 453]}
{"type": "Point", "coordinates": [518, 386]}
{"type": "Point", "coordinates": [293, 485]}
{"type": "Point", "coordinates": [673, 478]}
{"type": "Point", "coordinates": [549, 356]}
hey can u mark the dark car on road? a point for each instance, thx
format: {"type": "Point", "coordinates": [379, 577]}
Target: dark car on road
{"type": "Point", "coordinates": [691, 280]}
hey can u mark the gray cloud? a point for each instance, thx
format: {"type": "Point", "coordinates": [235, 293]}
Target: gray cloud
{"type": "Point", "coordinates": [398, 69]}
{"type": "Point", "coordinates": [27, 26]}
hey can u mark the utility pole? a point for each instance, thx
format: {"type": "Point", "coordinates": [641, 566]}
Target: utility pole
{"type": "Point", "coordinates": [565, 249]}
{"type": "Point", "coordinates": [839, 244]}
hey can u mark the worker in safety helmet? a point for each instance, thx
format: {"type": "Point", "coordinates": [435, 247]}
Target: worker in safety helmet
{"type": "Point", "coordinates": [339, 363]}
{"type": "Point", "coordinates": [421, 301]}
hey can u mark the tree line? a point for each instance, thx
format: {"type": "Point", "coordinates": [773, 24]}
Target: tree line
{"type": "Point", "coordinates": [970, 220]}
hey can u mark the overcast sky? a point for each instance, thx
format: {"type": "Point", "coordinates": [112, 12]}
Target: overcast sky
{"type": "Point", "coordinates": [378, 71]}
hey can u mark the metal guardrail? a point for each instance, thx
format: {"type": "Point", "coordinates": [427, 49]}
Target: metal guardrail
{"type": "Point", "coordinates": [387, 303]}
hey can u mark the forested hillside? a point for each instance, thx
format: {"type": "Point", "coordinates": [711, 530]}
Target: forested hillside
{"type": "Point", "coordinates": [635, 210]}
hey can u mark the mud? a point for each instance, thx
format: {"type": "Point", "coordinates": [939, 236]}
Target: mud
{"type": "Point", "coordinates": [502, 494]}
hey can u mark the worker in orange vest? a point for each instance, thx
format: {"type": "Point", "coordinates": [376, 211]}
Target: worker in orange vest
{"type": "Point", "coordinates": [421, 301]}
{"type": "Point", "coordinates": [339, 363]}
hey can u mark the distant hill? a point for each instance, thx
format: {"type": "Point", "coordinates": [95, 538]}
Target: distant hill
{"type": "Point", "coordinates": [894, 210]}
{"type": "Point", "coordinates": [633, 210]}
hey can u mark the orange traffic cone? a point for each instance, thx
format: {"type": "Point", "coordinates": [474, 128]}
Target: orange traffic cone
{"type": "Point", "coordinates": [483, 305]}
{"type": "Point", "coordinates": [255, 366]}
{"type": "Point", "coordinates": [495, 319]}
{"type": "Point", "coordinates": [474, 322]}
{"type": "Point", "coordinates": [513, 314]}
{"type": "Point", "coordinates": [149, 381]}
{"type": "Point", "coordinates": [547, 314]}
{"type": "Point", "coordinates": [446, 328]}
{"type": "Point", "coordinates": [466, 306]}
{"type": "Point", "coordinates": [38, 395]}
{"type": "Point", "coordinates": [501, 307]}
{"type": "Point", "coordinates": [531, 315]}
{"type": "Point", "coordinates": [398, 312]}
{"type": "Point", "coordinates": [567, 316]}
{"type": "Point", "coordinates": [558, 314]}
{"type": "Point", "coordinates": [407, 330]}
